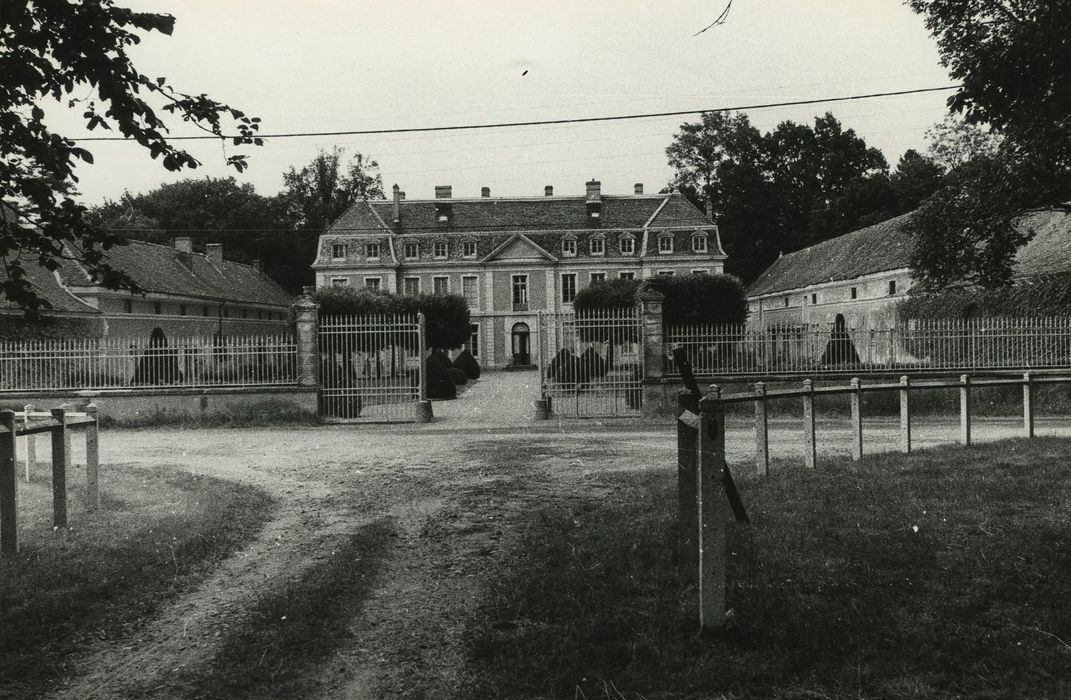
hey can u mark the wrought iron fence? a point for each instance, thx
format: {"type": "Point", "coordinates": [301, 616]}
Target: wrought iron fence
{"type": "Point", "coordinates": [121, 363]}
{"type": "Point", "coordinates": [593, 362]}
{"type": "Point", "coordinates": [371, 367]}
{"type": "Point", "coordinates": [938, 344]}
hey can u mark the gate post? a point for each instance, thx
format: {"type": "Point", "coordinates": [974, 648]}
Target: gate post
{"type": "Point", "coordinates": [713, 511]}
{"type": "Point", "coordinates": [305, 314]}
{"type": "Point", "coordinates": [9, 489]}
{"type": "Point", "coordinates": [653, 352]}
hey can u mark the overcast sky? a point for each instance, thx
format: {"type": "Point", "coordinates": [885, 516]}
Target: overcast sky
{"type": "Point", "coordinates": [331, 65]}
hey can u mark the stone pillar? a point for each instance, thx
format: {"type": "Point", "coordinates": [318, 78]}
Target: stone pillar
{"type": "Point", "coordinates": [304, 313]}
{"type": "Point", "coordinates": [654, 368]}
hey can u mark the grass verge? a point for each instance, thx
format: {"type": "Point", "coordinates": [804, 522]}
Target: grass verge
{"type": "Point", "coordinates": [836, 591]}
{"type": "Point", "coordinates": [258, 414]}
{"type": "Point", "coordinates": [158, 534]}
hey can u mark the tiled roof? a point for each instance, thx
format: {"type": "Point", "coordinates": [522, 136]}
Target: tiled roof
{"type": "Point", "coordinates": [47, 287]}
{"type": "Point", "coordinates": [877, 248]}
{"type": "Point", "coordinates": [887, 246]}
{"type": "Point", "coordinates": [488, 214]}
{"type": "Point", "coordinates": [162, 269]}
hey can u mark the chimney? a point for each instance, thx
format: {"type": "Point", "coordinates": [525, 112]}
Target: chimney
{"type": "Point", "coordinates": [442, 192]}
{"type": "Point", "coordinates": [638, 188]}
{"type": "Point", "coordinates": [256, 264]}
{"type": "Point", "coordinates": [710, 210]}
{"type": "Point", "coordinates": [485, 191]}
{"type": "Point", "coordinates": [214, 253]}
{"type": "Point", "coordinates": [548, 191]}
{"type": "Point", "coordinates": [396, 213]}
{"type": "Point", "coordinates": [594, 190]}
{"type": "Point", "coordinates": [184, 244]}
{"type": "Point", "coordinates": [403, 194]}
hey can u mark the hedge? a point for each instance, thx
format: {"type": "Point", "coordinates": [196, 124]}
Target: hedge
{"type": "Point", "coordinates": [1037, 296]}
{"type": "Point", "coordinates": [446, 316]}
{"type": "Point", "coordinates": [688, 298]}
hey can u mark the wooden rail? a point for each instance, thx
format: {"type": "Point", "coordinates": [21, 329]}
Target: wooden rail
{"type": "Point", "coordinates": [58, 422]}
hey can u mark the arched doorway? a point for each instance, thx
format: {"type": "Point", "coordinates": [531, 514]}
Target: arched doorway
{"type": "Point", "coordinates": [521, 344]}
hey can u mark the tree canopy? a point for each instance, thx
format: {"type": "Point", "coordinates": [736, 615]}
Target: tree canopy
{"type": "Point", "coordinates": [321, 191]}
{"type": "Point", "coordinates": [40, 59]}
{"type": "Point", "coordinates": [446, 316]}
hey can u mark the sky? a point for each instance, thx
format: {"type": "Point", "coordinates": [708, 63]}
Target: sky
{"type": "Point", "coordinates": [333, 65]}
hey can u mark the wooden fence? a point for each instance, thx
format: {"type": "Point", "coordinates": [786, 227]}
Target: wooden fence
{"type": "Point", "coordinates": [58, 423]}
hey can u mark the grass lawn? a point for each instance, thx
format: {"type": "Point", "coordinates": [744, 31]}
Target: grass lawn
{"type": "Point", "coordinates": [157, 535]}
{"type": "Point", "coordinates": [942, 574]}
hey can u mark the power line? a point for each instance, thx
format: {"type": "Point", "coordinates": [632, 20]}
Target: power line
{"type": "Point", "coordinates": [547, 122]}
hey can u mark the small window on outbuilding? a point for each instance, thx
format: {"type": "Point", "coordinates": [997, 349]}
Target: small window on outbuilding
{"type": "Point", "coordinates": [855, 292]}
{"type": "Point", "coordinates": [892, 287]}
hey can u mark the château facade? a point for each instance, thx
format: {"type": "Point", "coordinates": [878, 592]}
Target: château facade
{"type": "Point", "coordinates": [514, 257]}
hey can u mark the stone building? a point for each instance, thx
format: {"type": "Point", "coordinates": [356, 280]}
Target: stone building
{"type": "Point", "coordinates": [513, 257]}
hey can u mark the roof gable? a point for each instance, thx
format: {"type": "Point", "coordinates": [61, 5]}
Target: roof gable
{"type": "Point", "coordinates": [519, 247]}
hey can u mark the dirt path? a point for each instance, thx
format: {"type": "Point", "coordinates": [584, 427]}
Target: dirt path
{"type": "Point", "coordinates": [450, 500]}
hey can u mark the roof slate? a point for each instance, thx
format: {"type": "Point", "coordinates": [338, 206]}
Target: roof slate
{"type": "Point", "coordinates": [47, 287]}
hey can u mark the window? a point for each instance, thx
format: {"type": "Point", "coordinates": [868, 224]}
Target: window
{"type": "Point", "coordinates": [855, 292]}
{"type": "Point", "coordinates": [701, 272]}
{"type": "Point", "coordinates": [469, 290]}
{"type": "Point", "coordinates": [226, 312]}
{"type": "Point", "coordinates": [204, 310]}
{"type": "Point", "coordinates": [520, 292]}
{"type": "Point", "coordinates": [412, 250]}
{"type": "Point", "coordinates": [338, 251]}
{"type": "Point", "coordinates": [245, 313]}
{"type": "Point", "coordinates": [665, 244]}
{"type": "Point", "coordinates": [598, 277]}
{"type": "Point", "coordinates": [474, 339]}
{"type": "Point", "coordinates": [440, 285]}
{"type": "Point", "coordinates": [665, 273]}
{"type": "Point", "coordinates": [371, 282]}
{"type": "Point", "coordinates": [439, 249]}
{"type": "Point", "coordinates": [597, 245]}
{"type": "Point", "coordinates": [260, 314]}
{"type": "Point", "coordinates": [699, 243]}
{"type": "Point", "coordinates": [626, 275]}
{"type": "Point", "coordinates": [340, 281]}
{"type": "Point", "coordinates": [182, 309]}
{"type": "Point", "coordinates": [469, 249]}
{"type": "Point", "coordinates": [157, 308]}
{"type": "Point", "coordinates": [128, 306]}
{"type": "Point", "coordinates": [568, 288]}
{"type": "Point", "coordinates": [892, 287]}
{"type": "Point", "coordinates": [411, 286]}
{"type": "Point", "coordinates": [569, 247]}
{"type": "Point", "coordinates": [628, 245]}
{"type": "Point", "coordinates": [786, 301]}
{"type": "Point", "coordinates": [371, 251]}
{"type": "Point", "coordinates": [814, 298]}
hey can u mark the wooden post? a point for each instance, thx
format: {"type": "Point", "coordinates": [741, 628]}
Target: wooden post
{"type": "Point", "coordinates": [964, 409]}
{"type": "Point", "coordinates": [67, 433]}
{"type": "Point", "coordinates": [713, 509]}
{"type": "Point", "coordinates": [762, 431]}
{"type": "Point", "coordinates": [809, 446]}
{"type": "Point", "coordinates": [59, 468]}
{"type": "Point", "coordinates": [687, 464]}
{"type": "Point", "coordinates": [905, 414]}
{"type": "Point", "coordinates": [9, 494]}
{"type": "Point", "coordinates": [31, 445]}
{"type": "Point", "coordinates": [1028, 405]}
{"type": "Point", "coordinates": [857, 419]}
{"type": "Point", "coordinates": [92, 459]}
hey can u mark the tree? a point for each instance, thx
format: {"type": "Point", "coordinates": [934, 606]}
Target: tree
{"type": "Point", "coordinates": [915, 179]}
{"type": "Point", "coordinates": [321, 191]}
{"type": "Point", "coordinates": [954, 142]}
{"type": "Point", "coordinates": [39, 60]}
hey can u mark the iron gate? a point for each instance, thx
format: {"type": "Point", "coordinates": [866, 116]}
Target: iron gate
{"type": "Point", "coordinates": [592, 362]}
{"type": "Point", "coordinates": [371, 367]}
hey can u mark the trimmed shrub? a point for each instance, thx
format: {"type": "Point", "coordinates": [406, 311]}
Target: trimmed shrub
{"type": "Point", "coordinates": [467, 364]}
{"type": "Point", "coordinates": [440, 385]}
{"type": "Point", "coordinates": [592, 366]}
{"type": "Point", "coordinates": [457, 376]}
{"type": "Point", "coordinates": [564, 367]}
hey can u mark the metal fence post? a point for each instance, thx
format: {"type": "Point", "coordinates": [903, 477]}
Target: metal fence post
{"type": "Point", "coordinates": [964, 409]}
{"type": "Point", "coordinates": [92, 458]}
{"type": "Point", "coordinates": [762, 431]}
{"type": "Point", "coordinates": [905, 414]}
{"type": "Point", "coordinates": [59, 468]}
{"type": "Point", "coordinates": [857, 419]}
{"type": "Point", "coordinates": [810, 455]}
{"type": "Point", "coordinates": [1028, 405]}
{"type": "Point", "coordinates": [9, 493]}
{"type": "Point", "coordinates": [712, 507]}
{"type": "Point", "coordinates": [687, 464]}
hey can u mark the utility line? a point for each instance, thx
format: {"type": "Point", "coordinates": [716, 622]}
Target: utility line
{"type": "Point", "coordinates": [546, 122]}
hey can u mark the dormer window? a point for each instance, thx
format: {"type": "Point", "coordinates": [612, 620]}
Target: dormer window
{"type": "Point", "coordinates": [665, 244]}
{"type": "Point", "coordinates": [699, 243]}
{"type": "Point", "coordinates": [444, 212]}
{"type": "Point", "coordinates": [569, 246]}
{"type": "Point", "coordinates": [412, 250]}
{"type": "Point", "coordinates": [439, 250]}
{"type": "Point", "coordinates": [597, 245]}
{"type": "Point", "coordinates": [338, 251]}
{"type": "Point", "coordinates": [468, 249]}
{"type": "Point", "coordinates": [627, 244]}
{"type": "Point", "coordinates": [371, 251]}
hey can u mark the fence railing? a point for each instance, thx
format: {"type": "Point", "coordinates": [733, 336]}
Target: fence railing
{"type": "Point", "coordinates": [937, 344]}
{"type": "Point", "coordinates": [119, 363]}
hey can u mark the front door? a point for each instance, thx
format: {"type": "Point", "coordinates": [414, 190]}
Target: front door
{"type": "Point", "coordinates": [521, 353]}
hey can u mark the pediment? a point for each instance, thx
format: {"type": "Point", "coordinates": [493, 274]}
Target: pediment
{"type": "Point", "coordinates": [519, 247]}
